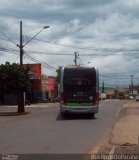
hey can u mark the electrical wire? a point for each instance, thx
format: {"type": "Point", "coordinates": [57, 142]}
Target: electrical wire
{"type": "Point", "coordinates": [8, 38]}
{"type": "Point", "coordinates": [87, 48]}
{"type": "Point", "coordinates": [43, 63]}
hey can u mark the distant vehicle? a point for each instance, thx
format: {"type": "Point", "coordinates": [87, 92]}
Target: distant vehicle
{"type": "Point", "coordinates": [137, 97]}
{"type": "Point", "coordinates": [79, 90]}
{"type": "Point", "coordinates": [52, 100]}
{"type": "Point", "coordinates": [103, 96]}
{"type": "Point", "coordinates": [57, 99]}
{"type": "Point", "coordinates": [131, 97]}
{"type": "Point", "coordinates": [121, 96]}
{"type": "Point", "coordinates": [48, 100]}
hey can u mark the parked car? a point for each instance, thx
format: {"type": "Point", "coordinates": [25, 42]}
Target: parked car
{"type": "Point", "coordinates": [131, 97]}
{"type": "Point", "coordinates": [57, 99]}
{"type": "Point", "coordinates": [46, 100]}
{"type": "Point", "coordinates": [52, 100]}
{"type": "Point", "coordinates": [137, 97]}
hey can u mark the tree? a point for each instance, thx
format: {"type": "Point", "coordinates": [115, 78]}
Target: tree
{"type": "Point", "coordinates": [58, 74]}
{"type": "Point", "coordinates": [14, 79]}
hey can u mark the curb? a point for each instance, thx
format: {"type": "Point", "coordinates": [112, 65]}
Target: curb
{"type": "Point", "coordinates": [13, 113]}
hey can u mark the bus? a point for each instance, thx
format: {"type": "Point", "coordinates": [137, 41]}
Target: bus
{"type": "Point", "coordinates": [79, 90]}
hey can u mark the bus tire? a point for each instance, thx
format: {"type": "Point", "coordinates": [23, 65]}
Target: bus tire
{"type": "Point", "coordinates": [63, 115]}
{"type": "Point", "coordinates": [92, 115]}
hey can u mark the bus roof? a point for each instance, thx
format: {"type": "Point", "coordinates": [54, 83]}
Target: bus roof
{"type": "Point", "coordinates": [78, 67]}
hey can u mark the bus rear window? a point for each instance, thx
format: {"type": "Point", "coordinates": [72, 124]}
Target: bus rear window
{"type": "Point", "coordinates": [78, 82]}
{"type": "Point", "coordinates": [79, 77]}
{"type": "Point", "coordinates": [79, 85]}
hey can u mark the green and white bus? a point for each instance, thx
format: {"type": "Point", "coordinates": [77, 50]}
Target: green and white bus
{"type": "Point", "coordinates": [79, 89]}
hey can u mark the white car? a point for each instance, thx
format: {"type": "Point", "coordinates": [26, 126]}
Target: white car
{"type": "Point", "coordinates": [137, 97]}
{"type": "Point", "coordinates": [131, 97]}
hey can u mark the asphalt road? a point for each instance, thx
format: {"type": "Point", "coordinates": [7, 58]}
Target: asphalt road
{"type": "Point", "coordinates": [44, 131]}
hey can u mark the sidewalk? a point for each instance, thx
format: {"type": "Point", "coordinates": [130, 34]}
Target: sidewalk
{"type": "Point", "coordinates": [12, 109]}
{"type": "Point", "coordinates": [124, 138]}
{"type": "Point", "coordinates": [126, 130]}
{"type": "Point", "coordinates": [125, 133]}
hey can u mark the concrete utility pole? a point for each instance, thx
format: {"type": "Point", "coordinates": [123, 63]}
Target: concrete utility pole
{"type": "Point", "coordinates": [21, 102]}
{"type": "Point", "coordinates": [21, 44]}
{"type": "Point", "coordinates": [75, 60]}
{"type": "Point", "coordinates": [21, 98]}
{"type": "Point", "coordinates": [103, 87]}
{"type": "Point", "coordinates": [131, 84]}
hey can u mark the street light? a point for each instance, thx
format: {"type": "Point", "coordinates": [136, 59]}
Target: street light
{"type": "Point", "coordinates": [45, 27]}
{"type": "Point", "coordinates": [21, 46]}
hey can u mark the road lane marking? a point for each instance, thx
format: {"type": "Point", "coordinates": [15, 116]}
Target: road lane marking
{"type": "Point", "coordinates": [94, 150]}
{"type": "Point", "coordinates": [112, 151]}
{"type": "Point", "coordinates": [101, 104]}
{"type": "Point", "coordinates": [118, 111]}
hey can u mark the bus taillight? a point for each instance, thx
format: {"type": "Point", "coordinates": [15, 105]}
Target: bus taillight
{"type": "Point", "coordinates": [62, 97]}
{"type": "Point", "coordinates": [97, 97]}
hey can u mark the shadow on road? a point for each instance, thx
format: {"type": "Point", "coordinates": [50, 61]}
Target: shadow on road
{"type": "Point", "coordinates": [76, 117]}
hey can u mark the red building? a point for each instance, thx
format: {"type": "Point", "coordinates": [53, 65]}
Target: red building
{"type": "Point", "coordinates": [41, 87]}
{"type": "Point", "coordinates": [49, 87]}
{"type": "Point", "coordinates": [34, 71]}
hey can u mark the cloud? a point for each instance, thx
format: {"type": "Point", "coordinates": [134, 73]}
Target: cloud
{"type": "Point", "coordinates": [92, 24]}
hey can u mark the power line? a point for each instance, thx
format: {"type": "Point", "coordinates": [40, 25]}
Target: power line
{"type": "Point", "coordinates": [43, 63]}
{"type": "Point", "coordinates": [115, 85]}
{"type": "Point", "coordinates": [90, 54]}
{"type": "Point", "coordinates": [41, 56]}
{"type": "Point", "coordinates": [5, 39]}
{"type": "Point", "coordinates": [77, 47]}
{"type": "Point", "coordinates": [87, 48]}
{"type": "Point", "coordinates": [114, 77]}
{"type": "Point", "coordinates": [71, 54]}
{"type": "Point", "coordinates": [8, 48]}
{"type": "Point", "coordinates": [8, 38]}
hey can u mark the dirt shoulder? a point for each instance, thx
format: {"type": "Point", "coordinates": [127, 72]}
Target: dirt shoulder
{"type": "Point", "coordinates": [126, 130]}
{"type": "Point", "coordinates": [125, 133]}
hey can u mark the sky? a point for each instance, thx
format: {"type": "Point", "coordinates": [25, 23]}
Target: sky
{"type": "Point", "coordinates": [104, 33]}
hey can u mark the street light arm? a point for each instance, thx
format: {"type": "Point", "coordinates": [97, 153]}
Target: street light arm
{"type": "Point", "coordinates": [35, 35]}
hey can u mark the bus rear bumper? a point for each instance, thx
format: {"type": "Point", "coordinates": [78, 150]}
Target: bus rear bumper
{"type": "Point", "coordinates": [79, 109]}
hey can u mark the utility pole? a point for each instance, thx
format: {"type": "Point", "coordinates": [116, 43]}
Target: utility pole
{"type": "Point", "coordinates": [103, 87]}
{"type": "Point", "coordinates": [21, 44]}
{"type": "Point", "coordinates": [75, 60]}
{"type": "Point", "coordinates": [131, 84]}
{"type": "Point", "coordinates": [21, 102]}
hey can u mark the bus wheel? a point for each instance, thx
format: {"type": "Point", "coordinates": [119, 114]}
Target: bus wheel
{"type": "Point", "coordinates": [63, 115]}
{"type": "Point", "coordinates": [92, 115]}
